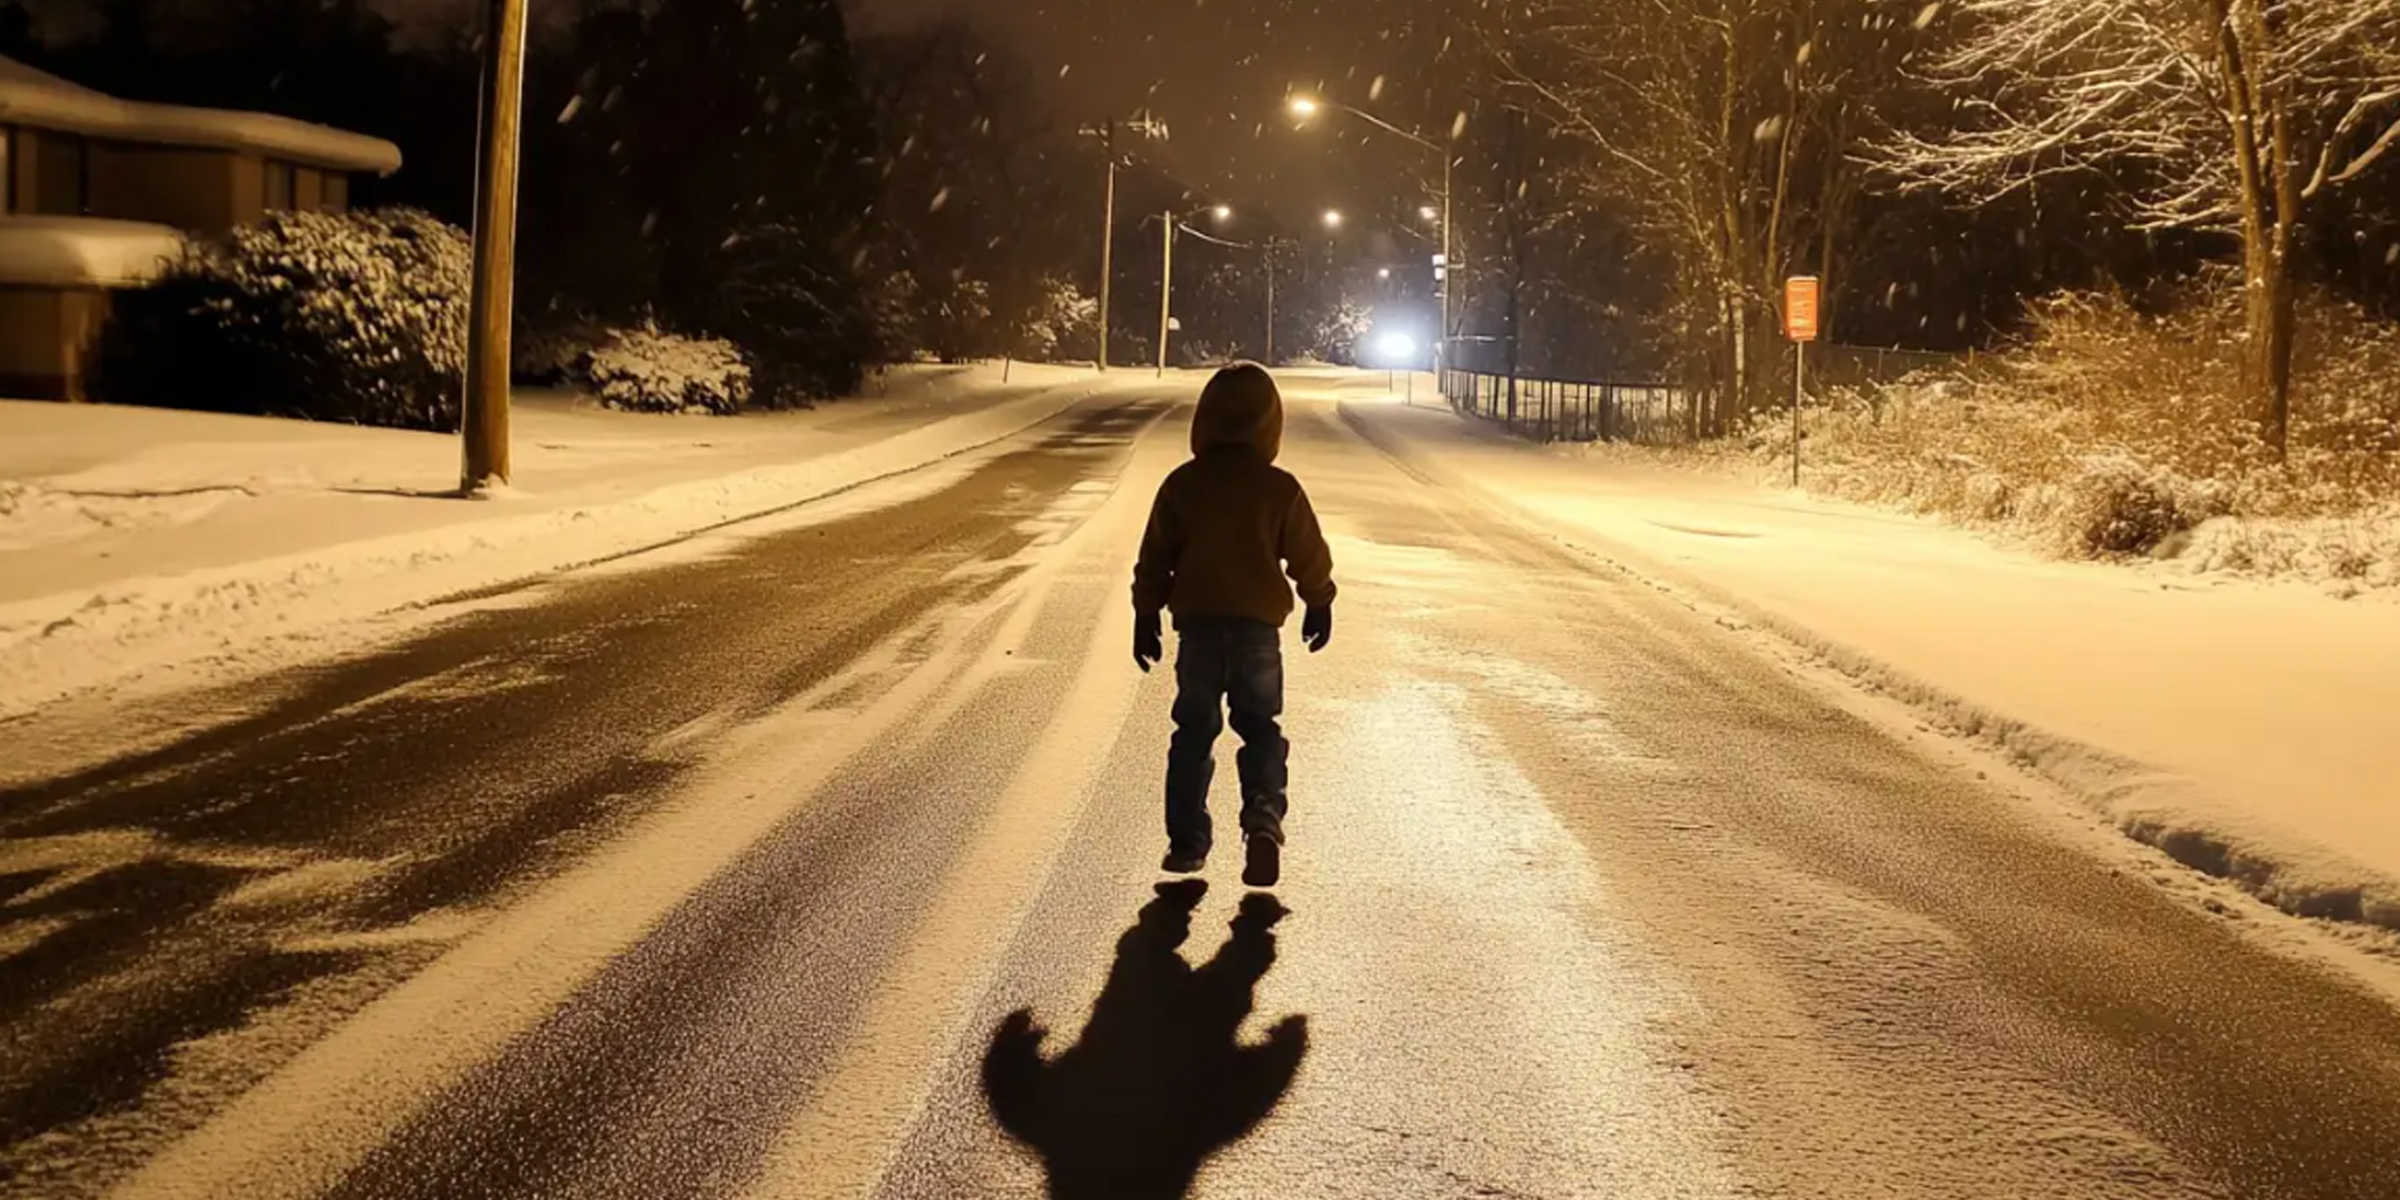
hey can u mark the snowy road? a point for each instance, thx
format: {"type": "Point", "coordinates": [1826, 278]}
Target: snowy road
{"type": "Point", "coordinates": [718, 872]}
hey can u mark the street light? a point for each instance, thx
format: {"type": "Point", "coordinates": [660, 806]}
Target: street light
{"type": "Point", "coordinates": [1425, 212]}
{"type": "Point", "coordinates": [1304, 106]}
{"type": "Point", "coordinates": [1383, 272]}
{"type": "Point", "coordinates": [1166, 267]}
{"type": "Point", "coordinates": [1333, 218]}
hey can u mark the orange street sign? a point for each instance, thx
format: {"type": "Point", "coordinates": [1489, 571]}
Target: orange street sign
{"type": "Point", "coordinates": [1800, 308]}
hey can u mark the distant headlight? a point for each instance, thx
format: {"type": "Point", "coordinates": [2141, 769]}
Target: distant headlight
{"type": "Point", "coordinates": [1396, 346]}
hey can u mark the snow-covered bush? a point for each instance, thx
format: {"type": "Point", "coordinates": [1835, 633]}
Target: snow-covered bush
{"type": "Point", "coordinates": [358, 317]}
{"type": "Point", "coordinates": [2117, 430]}
{"type": "Point", "coordinates": [2114, 505]}
{"type": "Point", "coordinates": [645, 369]}
{"type": "Point", "coordinates": [552, 352]}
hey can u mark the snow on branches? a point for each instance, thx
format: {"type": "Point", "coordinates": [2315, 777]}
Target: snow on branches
{"type": "Point", "coordinates": [2221, 115]}
{"type": "Point", "coordinates": [2188, 103]}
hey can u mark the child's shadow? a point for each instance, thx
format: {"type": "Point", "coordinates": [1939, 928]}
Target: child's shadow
{"type": "Point", "coordinates": [1158, 1082]}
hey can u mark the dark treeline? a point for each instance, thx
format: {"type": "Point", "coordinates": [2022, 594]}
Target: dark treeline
{"type": "Point", "coordinates": [743, 169]}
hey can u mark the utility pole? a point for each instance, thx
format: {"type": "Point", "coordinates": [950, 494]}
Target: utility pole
{"type": "Point", "coordinates": [1270, 260]}
{"type": "Point", "coordinates": [485, 427]}
{"type": "Point", "coordinates": [1108, 234]}
{"type": "Point", "coordinates": [1166, 283]}
{"type": "Point", "coordinates": [1143, 125]}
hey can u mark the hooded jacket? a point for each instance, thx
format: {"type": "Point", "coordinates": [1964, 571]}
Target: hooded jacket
{"type": "Point", "coordinates": [1229, 525]}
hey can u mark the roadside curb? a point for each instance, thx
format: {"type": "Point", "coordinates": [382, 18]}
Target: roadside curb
{"type": "Point", "coordinates": [2138, 800]}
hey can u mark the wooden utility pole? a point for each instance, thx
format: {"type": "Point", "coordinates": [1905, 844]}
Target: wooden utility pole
{"type": "Point", "coordinates": [1166, 284]}
{"type": "Point", "coordinates": [1108, 231]}
{"type": "Point", "coordinates": [1270, 261]}
{"type": "Point", "coordinates": [485, 430]}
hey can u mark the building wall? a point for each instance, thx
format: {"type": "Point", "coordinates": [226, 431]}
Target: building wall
{"type": "Point", "coordinates": [189, 189]}
{"type": "Point", "coordinates": [47, 336]}
{"type": "Point", "coordinates": [25, 165]}
{"type": "Point", "coordinates": [198, 189]}
{"type": "Point", "coordinates": [249, 188]}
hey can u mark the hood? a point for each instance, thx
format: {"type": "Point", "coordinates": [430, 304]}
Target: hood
{"type": "Point", "coordinates": [1239, 407]}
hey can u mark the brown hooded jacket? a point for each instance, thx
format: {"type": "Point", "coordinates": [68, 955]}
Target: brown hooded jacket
{"type": "Point", "coordinates": [1229, 524]}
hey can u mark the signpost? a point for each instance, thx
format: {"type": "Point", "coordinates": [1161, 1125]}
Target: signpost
{"type": "Point", "coordinates": [1800, 325]}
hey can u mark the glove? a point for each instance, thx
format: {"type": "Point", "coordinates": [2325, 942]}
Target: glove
{"type": "Point", "coordinates": [1149, 645]}
{"type": "Point", "coordinates": [1316, 628]}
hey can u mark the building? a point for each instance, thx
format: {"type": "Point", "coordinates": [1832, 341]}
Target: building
{"type": "Point", "coordinates": [96, 194]}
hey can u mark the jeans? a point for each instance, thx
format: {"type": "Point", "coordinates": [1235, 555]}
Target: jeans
{"type": "Point", "coordinates": [1225, 665]}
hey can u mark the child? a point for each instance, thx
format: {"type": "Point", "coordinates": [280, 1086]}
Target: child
{"type": "Point", "coordinates": [1225, 529]}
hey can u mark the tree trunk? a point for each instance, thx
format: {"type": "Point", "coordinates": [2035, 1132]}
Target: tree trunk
{"type": "Point", "coordinates": [2270, 198]}
{"type": "Point", "coordinates": [2281, 319]}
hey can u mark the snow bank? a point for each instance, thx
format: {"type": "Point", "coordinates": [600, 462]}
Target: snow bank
{"type": "Point", "coordinates": [84, 251]}
{"type": "Point", "coordinates": [2243, 728]}
{"type": "Point", "coordinates": [44, 101]}
{"type": "Point", "coordinates": [192, 548]}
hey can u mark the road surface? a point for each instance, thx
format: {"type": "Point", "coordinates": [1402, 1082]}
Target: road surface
{"type": "Point", "coordinates": [818, 859]}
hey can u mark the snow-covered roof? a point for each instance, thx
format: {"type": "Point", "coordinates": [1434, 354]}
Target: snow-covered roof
{"type": "Point", "coordinates": [84, 251]}
{"type": "Point", "coordinates": [44, 101]}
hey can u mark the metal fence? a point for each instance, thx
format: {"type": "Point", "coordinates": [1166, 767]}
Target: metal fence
{"type": "Point", "coordinates": [1572, 410]}
{"type": "Point", "coordinates": [1575, 410]}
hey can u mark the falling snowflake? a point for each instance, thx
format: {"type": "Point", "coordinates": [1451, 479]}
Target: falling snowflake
{"type": "Point", "coordinates": [940, 198]}
{"type": "Point", "coordinates": [574, 105]}
{"type": "Point", "coordinates": [1768, 130]}
{"type": "Point", "coordinates": [1458, 125]}
{"type": "Point", "coordinates": [1375, 89]}
{"type": "Point", "coordinates": [2391, 255]}
{"type": "Point", "coordinates": [1926, 14]}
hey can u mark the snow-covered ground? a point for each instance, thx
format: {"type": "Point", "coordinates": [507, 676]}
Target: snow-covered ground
{"type": "Point", "coordinates": [2245, 728]}
{"type": "Point", "coordinates": [193, 548]}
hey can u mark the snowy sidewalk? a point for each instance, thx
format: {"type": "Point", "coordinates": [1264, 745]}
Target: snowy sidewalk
{"type": "Point", "coordinates": [2247, 729]}
{"type": "Point", "coordinates": [196, 548]}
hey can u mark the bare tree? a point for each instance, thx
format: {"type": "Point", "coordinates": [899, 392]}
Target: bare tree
{"type": "Point", "coordinates": [2222, 115]}
{"type": "Point", "coordinates": [1725, 132]}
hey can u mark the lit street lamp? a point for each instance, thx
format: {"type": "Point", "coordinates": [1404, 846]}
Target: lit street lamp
{"type": "Point", "coordinates": [1304, 107]}
{"type": "Point", "coordinates": [1166, 267]}
{"type": "Point", "coordinates": [1333, 218]}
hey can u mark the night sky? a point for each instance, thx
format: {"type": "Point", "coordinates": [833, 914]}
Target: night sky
{"type": "Point", "coordinates": [1218, 72]}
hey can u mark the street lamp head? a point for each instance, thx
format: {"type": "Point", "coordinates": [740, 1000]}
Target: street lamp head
{"type": "Point", "coordinates": [1383, 272]}
{"type": "Point", "coordinates": [1425, 212]}
{"type": "Point", "coordinates": [1333, 218]}
{"type": "Point", "coordinates": [1223, 212]}
{"type": "Point", "coordinates": [1303, 107]}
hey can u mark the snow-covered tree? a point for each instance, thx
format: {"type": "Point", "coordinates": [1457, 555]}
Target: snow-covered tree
{"type": "Point", "coordinates": [1062, 324]}
{"type": "Point", "coordinates": [2221, 115]}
